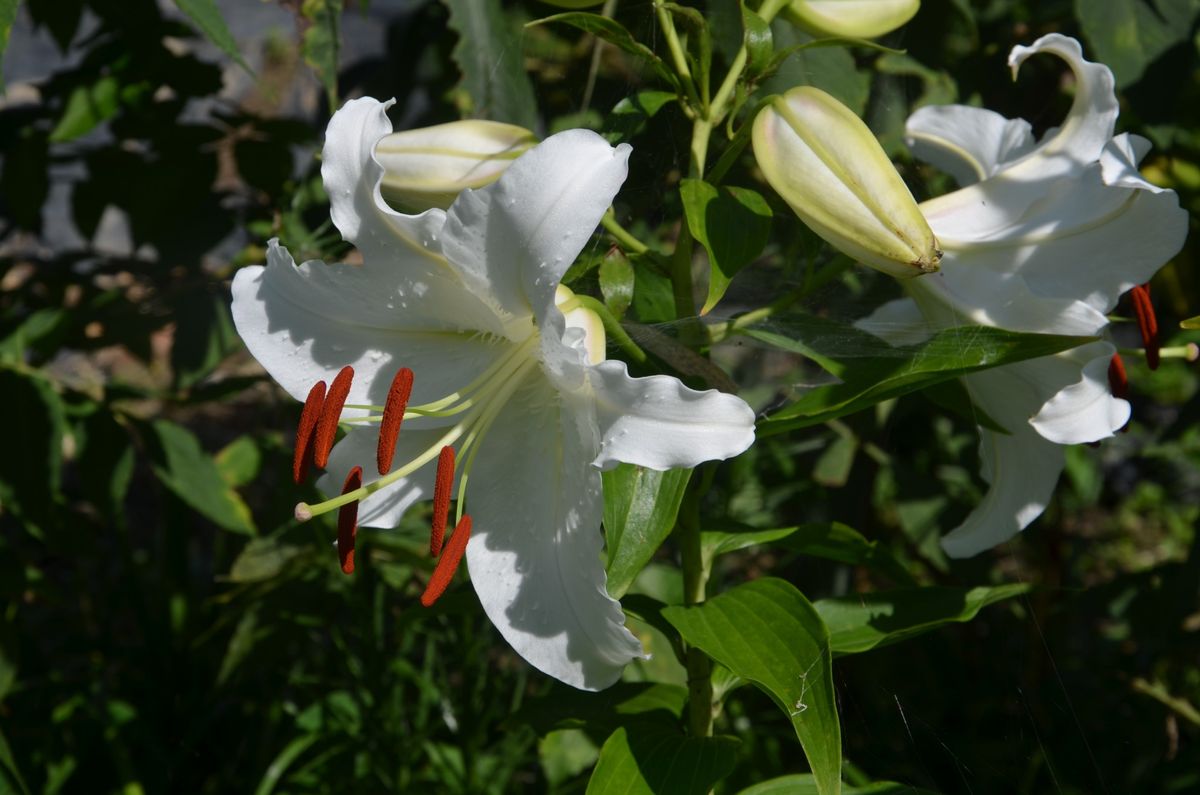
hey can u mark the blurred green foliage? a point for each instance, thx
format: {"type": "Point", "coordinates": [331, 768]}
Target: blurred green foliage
{"type": "Point", "coordinates": [167, 626]}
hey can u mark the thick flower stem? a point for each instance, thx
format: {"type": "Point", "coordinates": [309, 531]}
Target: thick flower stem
{"type": "Point", "coordinates": [695, 582]}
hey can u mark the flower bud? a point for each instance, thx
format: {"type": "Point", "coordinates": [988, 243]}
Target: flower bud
{"type": "Point", "coordinates": [580, 317]}
{"type": "Point", "coordinates": [827, 165]}
{"type": "Point", "coordinates": [430, 166]}
{"type": "Point", "coordinates": [856, 19]}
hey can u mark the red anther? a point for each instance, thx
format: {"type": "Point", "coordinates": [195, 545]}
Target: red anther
{"type": "Point", "coordinates": [335, 398]}
{"type": "Point", "coordinates": [1147, 322]}
{"type": "Point", "coordinates": [441, 498]}
{"type": "Point", "coordinates": [305, 431]}
{"type": "Point", "coordinates": [348, 522]}
{"type": "Point", "coordinates": [443, 573]}
{"type": "Point", "coordinates": [1118, 381]}
{"type": "Point", "coordinates": [393, 415]}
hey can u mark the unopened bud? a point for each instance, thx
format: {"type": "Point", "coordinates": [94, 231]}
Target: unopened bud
{"type": "Point", "coordinates": [856, 19]}
{"type": "Point", "coordinates": [580, 317]}
{"type": "Point", "coordinates": [430, 166]}
{"type": "Point", "coordinates": [826, 163]}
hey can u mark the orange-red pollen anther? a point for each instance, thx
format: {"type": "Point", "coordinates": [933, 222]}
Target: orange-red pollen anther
{"type": "Point", "coordinates": [1147, 322]}
{"type": "Point", "coordinates": [1118, 381]}
{"type": "Point", "coordinates": [441, 498]}
{"type": "Point", "coordinates": [335, 399]}
{"type": "Point", "coordinates": [393, 415]}
{"type": "Point", "coordinates": [348, 522]}
{"type": "Point", "coordinates": [305, 431]}
{"type": "Point", "coordinates": [447, 565]}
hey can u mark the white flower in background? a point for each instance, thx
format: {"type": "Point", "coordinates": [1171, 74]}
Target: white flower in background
{"type": "Point", "coordinates": [466, 300]}
{"type": "Point", "coordinates": [429, 166]}
{"type": "Point", "coordinates": [1044, 236]}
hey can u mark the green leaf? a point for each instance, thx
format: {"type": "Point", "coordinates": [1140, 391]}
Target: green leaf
{"type": "Point", "coordinates": [832, 541]}
{"type": "Point", "coordinates": [833, 466]}
{"type": "Point", "coordinates": [616, 282]}
{"type": "Point", "coordinates": [862, 622]}
{"type": "Point", "coordinates": [87, 106]}
{"type": "Point", "coordinates": [488, 53]}
{"type": "Point", "coordinates": [871, 372]}
{"type": "Point", "coordinates": [804, 784]}
{"type": "Point", "coordinates": [261, 559]}
{"type": "Point", "coordinates": [952, 395]}
{"type": "Point", "coordinates": [640, 506]}
{"type": "Point", "coordinates": [801, 60]}
{"type": "Point", "coordinates": [183, 467]}
{"type": "Point", "coordinates": [731, 223]}
{"type": "Point", "coordinates": [629, 116]}
{"type": "Point", "coordinates": [31, 467]}
{"type": "Point", "coordinates": [650, 760]}
{"type": "Point", "coordinates": [322, 41]}
{"type": "Point", "coordinates": [208, 18]}
{"type": "Point", "coordinates": [601, 714]}
{"type": "Point", "coordinates": [239, 461]}
{"type": "Point", "coordinates": [1128, 35]}
{"type": "Point", "coordinates": [615, 34]}
{"type": "Point", "coordinates": [8, 15]}
{"type": "Point", "coordinates": [767, 633]}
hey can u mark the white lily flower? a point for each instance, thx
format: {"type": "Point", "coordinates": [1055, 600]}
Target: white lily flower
{"type": "Point", "coordinates": [1042, 237]}
{"type": "Point", "coordinates": [466, 298]}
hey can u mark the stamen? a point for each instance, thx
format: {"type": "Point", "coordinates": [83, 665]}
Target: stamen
{"type": "Point", "coordinates": [447, 565]}
{"type": "Point", "coordinates": [393, 415]}
{"type": "Point", "coordinates": [305, 431]}
{"type": "Point", "coordinates": [335, 399]}
{"type": "Point", "coordinates": [1118, 381]}
{"type": "Point", "coordinates": [1147, 322]}
{"type": "Point", "coordinates": [348, 522]}
{"type": "Point", "coordinates": [441, 498]}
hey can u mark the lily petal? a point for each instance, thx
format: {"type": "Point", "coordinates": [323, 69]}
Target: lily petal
{"type": "Point", "coordinates": [1089, 123]}
{"type": "Point", "coordinates": [964, 293]}
{"type": "Point", "coordinates": [985, 209]}
{"type": "Point", "coordinates": [512, 241]}
{"type": "Point", "coordinates": [535, 551]}
{"type": "Point", "coordinates": [659, 423]}
{"type": "Point", "coordinates": [1020, 467]}
{"type": "Point", "coordinates": [899, 322]}
{"type": "Point", "coordinates": [969, 144]}
{"type": "Point", "coordinates": [305, 323]}
{"type": "Point", "coordinates": [385, 507]}
{"type": "Point", "coordinates": [1085, 410]}
{"type": "Point", "coordinates": [388, 240]}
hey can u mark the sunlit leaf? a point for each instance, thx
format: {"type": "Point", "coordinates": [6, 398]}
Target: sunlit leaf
{"type": "Point", "coordinates": [488, 53]}
{"type": "Point", "coordinates": [184, 468]}
{"type": "Point", "coordinates": [767, 633]}
{"type": "Point", "coordinates": [207, 17]}
{"type": "Point", "coordinates": [629, 116]}
{"type": "Point", "coordinates": [870, 373]}
{"type": "Point", "coordinates": [644, 759]}
{"type": "Point", "coordinates": [803, 784]}
{"type": "Point", "coordinates": [615, 34]}
{"type": "Point", "coordinates": [862, 622]}
{"type": "Point", "coordinates": [640, 506]}
{"type": "Point", "coordinates": [1128, 35]}
{"type": "Point", "coordinates": [731, 223]}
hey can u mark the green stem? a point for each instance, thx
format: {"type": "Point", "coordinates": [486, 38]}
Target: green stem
{"type": "Point", "coordinates": [717, 108]}
{"type": "Point", "coordinates": [667, 23]}
{"type": "Point", "coordinates": [722, 331]}
{"type": "Point", "coordinates": [622, 235]}
{"type": "Point", "coordinates": [695, 582]}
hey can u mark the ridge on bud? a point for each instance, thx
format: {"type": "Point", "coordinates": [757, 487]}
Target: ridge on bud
{"type": "Point", "coordinates": [429, 166]}
{"type": "Point", "coordinates": [825, 162]}
{"type": "Point", "coordinates": [857, 19]}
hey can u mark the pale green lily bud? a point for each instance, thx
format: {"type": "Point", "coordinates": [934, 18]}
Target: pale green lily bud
{"type": "Point", "coordinates": [584, 319]}
{"type": "Point", "coordinates": [857, 19]}
{"type": "Point", "coordinates": [825, 162]}
{"type": "Point", "coordinates": [429, 166]}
